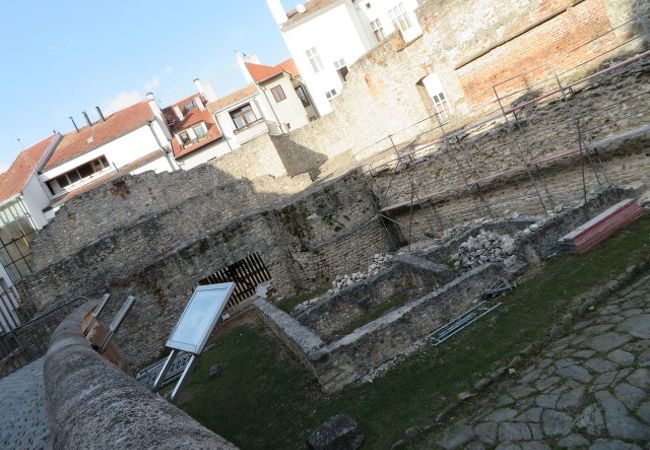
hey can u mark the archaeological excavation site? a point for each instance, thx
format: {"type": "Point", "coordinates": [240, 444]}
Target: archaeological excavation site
{"type": "Point", "coordinates": [404, 275]}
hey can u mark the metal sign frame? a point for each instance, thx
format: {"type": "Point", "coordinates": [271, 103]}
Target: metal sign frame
{"type": "Point", "coordinates": [116, 322]}
{"type": "Point", "coordinates": [223, 289]}
{"type": "Point", "coordinates": [226, 290]}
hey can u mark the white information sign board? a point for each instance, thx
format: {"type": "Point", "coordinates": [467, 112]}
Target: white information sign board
{"type": "Point", "coordinates": [200, 317]}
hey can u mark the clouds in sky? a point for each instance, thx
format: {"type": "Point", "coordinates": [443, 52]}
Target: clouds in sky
{"type": "Point", "coordinates": [129, 97]}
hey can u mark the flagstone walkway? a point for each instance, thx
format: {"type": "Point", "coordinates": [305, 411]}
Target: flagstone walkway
{"type": "Point", "coordinates": [587, 390]}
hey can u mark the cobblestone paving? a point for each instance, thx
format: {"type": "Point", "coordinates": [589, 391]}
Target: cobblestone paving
{"type": "Point", "coordinates": [589, 389]}
{"type": "Point", "coordinates": [23, 420]}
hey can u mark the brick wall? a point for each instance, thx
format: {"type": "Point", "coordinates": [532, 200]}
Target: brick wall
{"type": "Point", "coordinates": [383, 94]}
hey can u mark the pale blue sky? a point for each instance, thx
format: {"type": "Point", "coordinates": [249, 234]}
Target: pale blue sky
{"type": "Point", "coordinates": [62, 58]}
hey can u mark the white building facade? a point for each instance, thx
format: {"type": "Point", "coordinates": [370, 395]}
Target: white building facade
{"type": "Point", "coordinates": [325, 37]}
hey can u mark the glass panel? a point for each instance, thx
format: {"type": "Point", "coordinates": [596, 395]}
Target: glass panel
{"type": "Point", "coordinates": [86, 170]}
{"type": "Point", "coordinates": [200, 315]}
{"type": "Point", "coordinates": [199, 131]}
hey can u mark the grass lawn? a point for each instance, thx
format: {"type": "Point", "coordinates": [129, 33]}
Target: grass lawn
{"type": "Point", "coordinates": [266, 399]}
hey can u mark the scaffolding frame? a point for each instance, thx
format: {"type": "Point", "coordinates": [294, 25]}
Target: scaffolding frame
{"type": "Point", "coordinates": [454, 145]}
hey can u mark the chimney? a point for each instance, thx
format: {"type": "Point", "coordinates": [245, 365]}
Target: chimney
{"type": "Point", "coordinates": [150, 96]}
{"type": "Point", "coordinates": [277, 11]}
{"type": "Point", "coordinates": [199, 86]}
{"type": "Point", "coordinates": [178, 112]}
{"type": "Point", "coordinates": [241, 61]}
{"type": "Point", "coordinates": [199, 103]}
{"type": "Point", "coordinates": [209, 93]}
{"type": "Point", "coordinates": [74, 123]}
{"type": "Point", "coordinates": [85, 114]}
{"type": "Point", "coordinates": [100, 113]}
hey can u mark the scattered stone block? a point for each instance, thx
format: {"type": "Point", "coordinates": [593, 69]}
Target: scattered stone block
{"type": "Point", "coordinates": [215, 371]}
{"type": "Point", "coordinates": [339, 432]}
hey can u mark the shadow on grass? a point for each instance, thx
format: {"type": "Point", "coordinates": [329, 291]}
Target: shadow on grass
{"type": "Point", "coordinates": [265, 399]}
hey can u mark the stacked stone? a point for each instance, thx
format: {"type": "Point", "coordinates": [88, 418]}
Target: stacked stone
{"type": "Point", "coordinates": [484, 248]}
{"type": "Point", "coordinates": [379, 261]}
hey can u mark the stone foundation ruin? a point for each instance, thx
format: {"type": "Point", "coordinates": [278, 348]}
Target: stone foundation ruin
{"type": "Point", "coordinates": [330, 337]}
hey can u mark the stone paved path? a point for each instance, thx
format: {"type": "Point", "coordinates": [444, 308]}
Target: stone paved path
{"type": "Point", "coordinates": [23, 420]}
{"type": "Point", "coordinates": [589, 389]}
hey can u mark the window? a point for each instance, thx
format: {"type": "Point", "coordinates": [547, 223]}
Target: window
{"type": "Point", "coordinates": [341, 68]}
{"type": "Point", "coordinates": [442, 105]}
{"type": "Point", "coordinates": [377, 30]}
{"type": "Point", "coordinates": [278, 93]}
{"type": "Point", "coordinates": [314, 60]}
{"type": "Point", "coordinates": [188, 106]}
{"type": "Point", "coordinates": [242, 117]}
{"type": "Point", "coordinates": [185, 137]}
{"type": "Point", "coordinates": [84, 171]}
{"type": "Point", "coordinates": [399, 17]}
{"type": "Point", "coordinates": [302, 95]}
{"type": "Point", "coordinates": [330, 94]}
{"type": "Point", "coordinates": [199, 131]}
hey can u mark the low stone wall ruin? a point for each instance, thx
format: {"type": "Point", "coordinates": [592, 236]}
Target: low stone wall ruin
{"type": "Point", "coordinates": [406, 276]}
{"type": "Point", "coordinates": [377, 343]}
{"type": "Point", "coordinates": [92, 404]}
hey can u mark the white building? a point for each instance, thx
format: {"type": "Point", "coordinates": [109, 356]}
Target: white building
{"type": "Point", "coordinates": [133, 140]}
{"type": "Point", "coordinates": [23, 201]}
{"type": "Point", "coordinates": [43, 176]}
{"type": "Point", "coordinates": [324, 37]}
{"type": "Point", "coordinates": [275, 101]}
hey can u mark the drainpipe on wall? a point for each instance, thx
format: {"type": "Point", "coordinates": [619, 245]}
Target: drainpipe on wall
{"type": "Point", "coordinates": [277, 119]}
{"type": "Point", "coordinates": [216, 119]}
{"type": "Point", "coordinates": [168, 153]}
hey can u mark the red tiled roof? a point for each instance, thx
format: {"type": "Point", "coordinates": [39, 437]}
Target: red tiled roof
{"type": "Point", "coordinates": [117, 124]}
{"type": "Point", "coordinates": [261, 73]}
{"type": "Point", "coordinates": [311, 7]}
{"type": "Point", "coordinates": [14, 179]}
{"type": "Point", "coordinates": [190, 118]}
{"type": "Point", "coordinates": [232, 98]}
{"type": "Point", "coordinates": [108, 177]}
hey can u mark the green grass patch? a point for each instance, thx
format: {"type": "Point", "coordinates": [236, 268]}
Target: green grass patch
{"type": "Point", "coordinates": [266, 399]}
{"type": "Point", "coordinates": [287, 304]}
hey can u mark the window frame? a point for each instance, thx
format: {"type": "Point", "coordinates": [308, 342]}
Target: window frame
{"type": "Point", "coordinates": [203, 130]}
{"type": "Point", "coordinates": [315, 60]}
{"type": "Point", "coordinates": [241, 113]}
{"type": "Point", "coordinates": [278, 93]}
{"type": "Point", "coordinates": [377, 30]}
{"type": "Point", "coordinates": [301, 92]}
{"type": "Point", "coordinates": [400, 18]}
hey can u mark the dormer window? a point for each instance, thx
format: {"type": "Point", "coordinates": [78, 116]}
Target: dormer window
{"type": "Point", "coordinates": [188, 106]}
{"type": "Point", "coordinates": [185, 137]}
{"type": "Point", "coordinates": [199, 131]}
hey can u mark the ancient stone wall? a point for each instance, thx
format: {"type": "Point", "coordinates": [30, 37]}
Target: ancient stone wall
{"type": "Point", "coordinates": [383, 93]}
{"type": "Point", "coordinates": [92, 404]}
{"type": "Point", "coordinates": [255, 158]}
{"type": "Point", "coordinates": [411, 279]}
{"type": "Point", "coordinates": [357, 354]}
{"type": "Point", "coordinates": [304, 239]}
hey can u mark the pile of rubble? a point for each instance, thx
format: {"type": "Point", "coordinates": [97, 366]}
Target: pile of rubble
{"type": "Point", "coordinates": [379, 261]}
{"type": "Point", "coordinates": [486, 247]}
